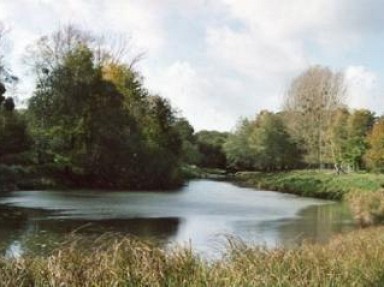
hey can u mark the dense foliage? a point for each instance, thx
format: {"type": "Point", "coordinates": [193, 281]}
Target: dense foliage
{"type": "Point", "coordinates": [210, 146]}
{"type": "Point", "coordinates": [262, 144]}
{"type": "Point", "coordinates": [94, 123]}
{"type": "Point", "coordinates": [315, 129]}
{"type": "Point", "coordinates": [90, 121]}
{"type": "Point", "coordinates": [375, 155]}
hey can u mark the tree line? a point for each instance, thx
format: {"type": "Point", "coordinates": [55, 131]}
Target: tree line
{"type": "Point", "coordinates": [90, 122]}
{"type": "Point", "coordinates": [314, 129]}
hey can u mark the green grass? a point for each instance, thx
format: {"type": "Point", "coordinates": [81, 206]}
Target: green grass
{"type": "Point", "coordinates": [311, 183]}
{"type": "Point", "coordinates": [354, 259]}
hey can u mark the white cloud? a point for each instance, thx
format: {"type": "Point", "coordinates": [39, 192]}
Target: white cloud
{"type": "Point", "coordinates": [138, 18]}
{"type": "Point", "coordinates": [326, 22]}
{"type": "Point", "coordinates": [254, 55]}
{"type": "Point", "coordinates": [208, 102]}
{"type": "Point", "coordinates": [362, 88]}
{"type": "Point", "coordinates": [220, 60]}
{"type": "Point", "coordinates": [30, 19]}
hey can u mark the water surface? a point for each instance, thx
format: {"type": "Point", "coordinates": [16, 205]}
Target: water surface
{"type": "Point", "coordinates": [202, 213]}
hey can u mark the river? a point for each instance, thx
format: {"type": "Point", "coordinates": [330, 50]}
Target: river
{"type": "Point", "coordinates": [203, 213]}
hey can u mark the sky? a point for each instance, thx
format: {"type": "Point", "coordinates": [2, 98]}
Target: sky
{"type": "Point", "coordinates": [220, 60]}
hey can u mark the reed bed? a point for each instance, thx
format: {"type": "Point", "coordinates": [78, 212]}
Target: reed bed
{"type": "Point", "coordinates": [354, 259]}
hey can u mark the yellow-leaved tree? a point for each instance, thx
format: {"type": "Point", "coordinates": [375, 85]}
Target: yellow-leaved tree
{"type": "Point", "coordinates": [374, 157]}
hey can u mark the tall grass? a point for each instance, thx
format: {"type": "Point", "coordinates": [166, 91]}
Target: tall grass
{"type": "Point", "coordinates": [354, 259]}
{"type": "Point", "coordinates": [367, 207]}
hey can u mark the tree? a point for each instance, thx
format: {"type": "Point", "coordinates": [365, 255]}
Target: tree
{"type": "Point", "coordinates": [374, 157]}
{"type": "Point", "coordinates": [339, 137]}
{"type": "Point", "coordinates": [189, 150]}
{"type": "Point", "coordinates": [274, 147]}
{"type": "Point", "coordinates": [237, 148]}
{"type": "Point", "coordinates": [310, 101]}
{"type": "Point", "coordinates": [359, 124]}
{"type": "Point", "coordinates": [210, 145]}
{"type": "Point", "coordinates": [14, 137]}
{"type": "Point", "coordinates": [262, 144]}
{"type": "Point", "coordinates": [93, 120]}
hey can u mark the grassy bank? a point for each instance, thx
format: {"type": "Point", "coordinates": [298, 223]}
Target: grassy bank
{"type": "Point", "coordinates": [193, 172]}
{"type": "Point", "coordinates": [354, 259]}
{"type": "Point", "coordinates": [312, 183]}
{"type": "Point", "coordinates": [363, 191]}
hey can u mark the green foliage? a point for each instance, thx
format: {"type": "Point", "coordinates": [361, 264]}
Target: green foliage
{"type": "Point", "coordinates": [262, 144]}
{"type": "Point", "coordinates": [374, 157]}
{"type": "Point", "coordinates": [97, 125]}
{"type": "Point", "coordinates": [14, 137]}
{"type": "Point", "coordinates": [237, 148]}
{"type": "Point", "coordinates": [15, 143]}
{"type": "Point", "coordinates": [189, 150]}
{"type": "Point", "coordinates": [210, 146]}
{"type": "Point", "coordinates": [347, 136]}
{"type": "Point", "coordinates": [359, 125]}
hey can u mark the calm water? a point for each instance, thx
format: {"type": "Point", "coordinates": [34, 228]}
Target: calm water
{"type": "Point", "coordinates": [202, 213]}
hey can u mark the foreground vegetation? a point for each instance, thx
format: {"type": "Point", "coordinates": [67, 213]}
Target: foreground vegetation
{"type": "Point", "coordinates": [354, 259]}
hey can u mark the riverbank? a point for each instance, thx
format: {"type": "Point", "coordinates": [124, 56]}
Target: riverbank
{"type": "Point", "coordinates": [362, 191]}
{"type": "Point", "coordinates": [195, 172]}
{"type": "Point", "coordinates": [17, 177]}
{"type": "Point", "coordinates": [353, 259]}
{"type": "Point", "coordinates": [312, 183]}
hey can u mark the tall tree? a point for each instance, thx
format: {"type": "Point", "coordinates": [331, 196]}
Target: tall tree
{"type": "Point", "coordinates": [310, 101]}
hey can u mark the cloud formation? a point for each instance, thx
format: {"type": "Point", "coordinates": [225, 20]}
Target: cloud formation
{"type": "Point", "coordinates": [220, 60]}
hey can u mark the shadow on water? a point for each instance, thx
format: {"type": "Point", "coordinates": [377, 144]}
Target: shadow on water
{"type": "Point", "coordinates": [37, 231]}
{"type": "Point", "coordinates": [317, 224]}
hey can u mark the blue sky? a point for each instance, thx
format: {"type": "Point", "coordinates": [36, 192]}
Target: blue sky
{"type": "Point", "coordinates": [221, 60]}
